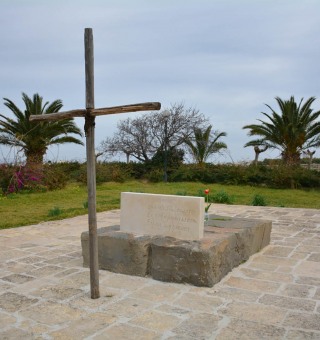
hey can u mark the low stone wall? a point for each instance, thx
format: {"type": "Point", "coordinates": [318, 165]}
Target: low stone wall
{"type": "Point", "coordinates": [227, 242]}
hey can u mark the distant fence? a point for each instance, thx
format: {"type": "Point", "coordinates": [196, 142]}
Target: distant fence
{"type": "Point", "coordinates": [312, 167]}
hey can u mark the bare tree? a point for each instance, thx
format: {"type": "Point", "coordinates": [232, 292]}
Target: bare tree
{"type": "Point", "coordinates": [258, 151]}
{"type": "Point", "coordinates": [143, 136]}
{"type": "Point", "coordinates": [112, 146]}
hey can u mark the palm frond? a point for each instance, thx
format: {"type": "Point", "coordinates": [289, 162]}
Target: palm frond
{"type": "Point", "coordinates": [204, 143]}
{"type": "Point", "coordinates": [35, 137]}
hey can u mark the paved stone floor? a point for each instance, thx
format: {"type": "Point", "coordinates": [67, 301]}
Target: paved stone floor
{"type": "Point", "coordinates": [44, 290]}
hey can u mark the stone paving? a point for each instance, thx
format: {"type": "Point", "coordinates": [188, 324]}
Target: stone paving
{"type": "Point", "coordinates": [45, 292]}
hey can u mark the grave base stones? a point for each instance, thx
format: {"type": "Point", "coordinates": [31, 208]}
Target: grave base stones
{"type": "Point", "coordinates": [227, 242]}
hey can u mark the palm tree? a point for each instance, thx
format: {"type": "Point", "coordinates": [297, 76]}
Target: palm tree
{"type": "Point", "coordinates": [291, 131]}
{"type": "Point", "coordinates": [204, 143]}
{"type": "Point", "coordinates": [34, 138]}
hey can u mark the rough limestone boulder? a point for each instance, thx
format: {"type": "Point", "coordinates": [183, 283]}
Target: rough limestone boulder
{"type": "Point", "coordinates": [227, 243]}
{"type": "Point", "coordinates": [119, 252]}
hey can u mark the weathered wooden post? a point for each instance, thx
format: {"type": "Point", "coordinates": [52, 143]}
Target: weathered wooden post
{"type": "Point", "coordinates": [91, 164]}
{"type": "Point", "coordinates": [89, 114]}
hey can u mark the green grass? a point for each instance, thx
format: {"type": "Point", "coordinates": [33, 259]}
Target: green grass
{"type": "Point", "coordinates": [26, 209]}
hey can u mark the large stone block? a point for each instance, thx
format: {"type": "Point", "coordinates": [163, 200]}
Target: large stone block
{"type": "Point", "coordinates": [181, 261]}
{"type": "Point", "coordinates": [118, 251]}
{"type": "Point", "coordinates": [227, 242]}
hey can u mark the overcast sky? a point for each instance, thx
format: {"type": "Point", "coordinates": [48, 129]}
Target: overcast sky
{"type": "Point", "coordinates": [225, 58]}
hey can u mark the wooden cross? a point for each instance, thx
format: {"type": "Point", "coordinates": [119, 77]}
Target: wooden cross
{"type": "Point", "coordinates": [89, 114]}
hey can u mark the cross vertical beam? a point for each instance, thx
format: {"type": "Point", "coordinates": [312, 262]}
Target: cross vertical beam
{"type": "Point", "coordinates": [89, 128]}
{"type": "Point", "coordinates": [89, 114]}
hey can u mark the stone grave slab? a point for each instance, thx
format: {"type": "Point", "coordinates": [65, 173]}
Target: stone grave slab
{"type": "Point", "coordinates": [168, 215]}
{"type": "Point", "coordinates": [226, 243]}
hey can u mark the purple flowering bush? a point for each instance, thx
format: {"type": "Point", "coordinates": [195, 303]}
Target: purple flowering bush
{"type": "Point", "coordinates": [14, 179]}
{"type": "Point", "coordinates": [17, 178]}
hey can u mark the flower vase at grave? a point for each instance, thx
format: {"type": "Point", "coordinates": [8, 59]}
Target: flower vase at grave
{"type": "Point", "coordinates": [206, 209]}
{"type": "Point", "coordinates": [206, 218]}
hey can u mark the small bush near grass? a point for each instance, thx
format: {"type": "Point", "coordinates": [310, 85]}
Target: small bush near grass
{"type": "Point", "coordinates": [56, 211]}
{"type": "Point", "coordinates": [258, 200]}
{"type": "Point", "coordinates": [222, 197]}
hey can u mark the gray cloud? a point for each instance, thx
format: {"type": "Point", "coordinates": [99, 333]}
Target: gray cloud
{"type": "Point", "coordinates": [227, 58]}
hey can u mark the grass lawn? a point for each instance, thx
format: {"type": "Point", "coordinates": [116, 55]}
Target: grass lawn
{"type": "Point", "coordinates": [31, 208]}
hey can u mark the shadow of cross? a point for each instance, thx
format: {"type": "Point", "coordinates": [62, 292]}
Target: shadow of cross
{"type": "Point", "coordinates": [89, 114]}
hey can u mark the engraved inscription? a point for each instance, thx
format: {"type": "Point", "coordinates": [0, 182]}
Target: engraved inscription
{"type": "Point", "coordinates": [169, 218]}
{"type": "Point", "coordinates": [177, 216]}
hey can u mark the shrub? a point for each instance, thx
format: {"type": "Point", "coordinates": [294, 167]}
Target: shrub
{"type": "Point", "coordinates": [174, 158]}
{"type": "Point", "coordinates": [54, 177]}
{"type": "Point", "coordinates": [69, 169]}
{"type": "Point", "coordinates": [6, 177]}
{"type": "Point", "coordinates": [106, 172]}
{"type": "Point", "coordinates": [307, 178]}
{"type": "Point", "coordinates": [56, 211]}
{"type": "Point", "coordinates": [258, 200]}
{"type": "Point", "coordinates": [183, 174]}
{"type": "Point", "coordinates": [155, 175]}
{"type": "Point", "coordinates": [281, 176]}
{"type": "Point", "coordinates": [256, 175]}
{"type": "Point", "coordinates": [137, 170]}
{"type": "Point", "coordinates": [222, 197]}
{"type": "Point", "coordinates": [276, 175]}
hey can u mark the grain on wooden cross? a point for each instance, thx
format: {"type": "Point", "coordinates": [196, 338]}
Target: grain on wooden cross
{"type": "Point", "coordinates": [89, 114]}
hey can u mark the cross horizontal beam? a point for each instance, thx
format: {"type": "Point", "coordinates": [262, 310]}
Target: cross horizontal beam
{"type": "Point", "coordinates": [97, 112]}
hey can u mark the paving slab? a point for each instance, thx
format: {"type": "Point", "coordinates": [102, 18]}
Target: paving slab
{"type": "Point", "coordinates": [45, 290]}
